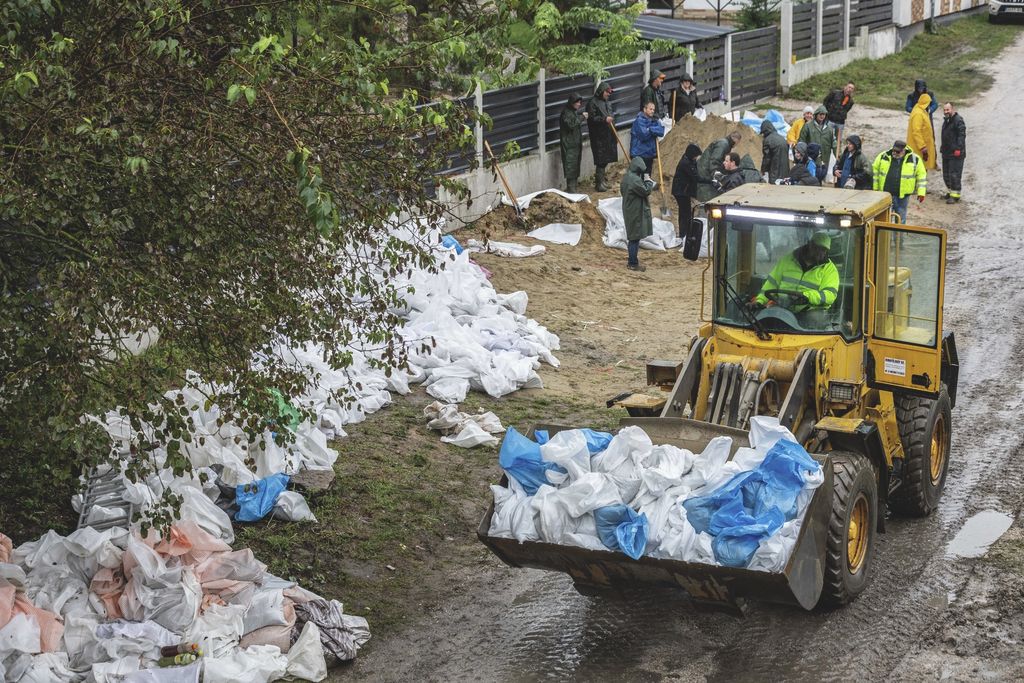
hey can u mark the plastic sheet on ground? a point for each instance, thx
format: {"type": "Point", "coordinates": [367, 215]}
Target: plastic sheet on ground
{"type": "Point", "coordinates": [559, 233]}
{"type": "Point", "coordinates": [664, 232]}
{"type": "Point", "coordinates": [509, 249]}
{"type": "Point", "coordinates": [773, 116]}
{"type": "Point", "coordinates": [635, 497]}
{"type": "Point", "coordinates": [524, 201]}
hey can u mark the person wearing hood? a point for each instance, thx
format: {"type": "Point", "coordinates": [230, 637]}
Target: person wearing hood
{"type": "Point", "coordinates": [749, 170]}
{"type": "Point", "coordinates": [852, 169]}
{"type": "Point", "coordinates": [774, 153]}
{"type": "Point", "coordinates": [652, 92]}
{"type": "Point", "coordinates": [820, 132]}
{"type": "Point", "coordinates": [636, 210]}
{"type": "Point", "coordinates": [901, 173]}
{"type": "Point", "coordinates": [921, 88]}
{"type": "Point", "coordinates": [953, 149]}
{"type": "Point", "coordinates": [684, 189]}
{"type": "Point", "coordinates": [711, 162]}
{"type": "Point", "coordinates": [687, 101]}
{"type": "Point", "coordinates": [732, 174]}
{"type": "Point", "coordinates": [920, 135]}
{"type": "Point", "coordinates": [793, 136]}
{"type": "Point", "coordinates": [571, 140]}
{"type": "Point", "coordinates": [814, 161]}
{"type": "Point", "coordinates": [601, 125]}
{"type": "Point", "coordinates": [807, 274]}
{"type": "Point", "coordinates": [799, 174]}
{"type": "Point", "coordinates": [643, 137]}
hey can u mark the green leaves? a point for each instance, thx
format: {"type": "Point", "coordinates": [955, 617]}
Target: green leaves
{"type": "Point", "coordinates": [24, 81]}
{"type": "Point", "coordinates": [234, 90]}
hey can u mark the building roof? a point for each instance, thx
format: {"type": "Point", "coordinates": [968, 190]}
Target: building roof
{"type": "Point", "coordinates": [652, 27]}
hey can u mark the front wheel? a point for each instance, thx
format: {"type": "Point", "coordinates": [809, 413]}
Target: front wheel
{"type": "Point", "coordinates": [851, 529]}
{"type": "Point", "coordinates": [925, 432]}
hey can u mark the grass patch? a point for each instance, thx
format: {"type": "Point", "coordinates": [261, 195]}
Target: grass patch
{"type": "Point", "coordinates": [404, 500]}
{"type": "Point", "coordinates": [950, 60]}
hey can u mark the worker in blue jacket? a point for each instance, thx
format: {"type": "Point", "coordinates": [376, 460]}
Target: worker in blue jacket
{"type": "Point", "coordinates": [643, 137]}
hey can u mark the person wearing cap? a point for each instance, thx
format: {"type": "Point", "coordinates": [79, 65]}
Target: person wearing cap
{"type": "Point", "coordinates": [571, 140]}
{"type": "Point", "coordinates": [818, 131]}
{"type": "Point", "coordinates": [852, 169]}
{"type": "Point", "coordinates": [774, 153]}
{"type": "Point", "coordinates": [687, 101]}
{"type": "Point", "coordinates": [807, 276]}
{"type": "Point", "coordinates": [636, 189]}
{"type": "Point", "coordinates": [793, 136]}
{"type": "Point", "coordinates": [652, 92]}
{"type": "Point", "coordinates": [601, 125]}
{"type": "Point", "coordinates": [901, 173]}
{"type": "Point", "coordinates": [684, 189]}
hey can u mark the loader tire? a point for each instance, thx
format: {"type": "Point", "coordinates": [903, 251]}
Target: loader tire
{"type": "Point", "coordinates": [851, 529]}
{"type": "Point", "coordinates": [925, 431]}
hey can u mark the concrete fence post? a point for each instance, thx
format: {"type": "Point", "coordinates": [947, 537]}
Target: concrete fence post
{"type": "Point", "coordinates": [847, 38]}
{"type": "Point", "coordinates": [478, 97]}
{"type": "Point", "coordinates": [647, 65]}
{"type": "Point", "coordinates": [785, 44]}
{"type": "Point", "coordinates": [728, 71]}
{"type": "Point", "coordinates": [820, 22]}
{"type": "Point", "coordinates": [542, 141]}
{"type": "Point", "coordinates": [689, 60]}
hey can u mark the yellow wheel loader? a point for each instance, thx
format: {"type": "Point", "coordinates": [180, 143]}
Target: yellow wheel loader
{"type": "Point", "coordinates": [828, 315]}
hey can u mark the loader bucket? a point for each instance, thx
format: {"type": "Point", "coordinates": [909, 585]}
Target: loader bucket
{"type": "Point", "coordinates": [723, 588]}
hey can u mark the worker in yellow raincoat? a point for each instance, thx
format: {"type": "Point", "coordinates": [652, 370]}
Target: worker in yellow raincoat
{"type": "Point", "coordinates": [920, 136]}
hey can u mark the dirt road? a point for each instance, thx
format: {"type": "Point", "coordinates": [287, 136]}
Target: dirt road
{"type": "Point", "coordinates": [526, 625]}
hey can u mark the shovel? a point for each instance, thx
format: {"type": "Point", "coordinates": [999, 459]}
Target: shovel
{"type": "Point", "coordinates": [665, 213]}
{"type": "Point", "coordinates": [619, 140]}
{"type": "Point", "coordinates": [508, 188]}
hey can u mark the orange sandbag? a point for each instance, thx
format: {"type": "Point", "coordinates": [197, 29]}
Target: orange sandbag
{"type": "Point", "coordinates": [6, 546]}
{"type": "Point", "coordinates": [279, 635]}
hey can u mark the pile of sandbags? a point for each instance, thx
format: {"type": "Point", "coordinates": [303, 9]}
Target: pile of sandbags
{"type": "Point", "coordinates": [623, 493]}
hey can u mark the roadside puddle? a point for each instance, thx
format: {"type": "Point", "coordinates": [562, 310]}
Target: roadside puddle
{"type": "Point", "coordinates": [978, 533]}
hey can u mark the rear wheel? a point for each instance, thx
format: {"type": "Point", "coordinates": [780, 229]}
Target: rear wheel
{"type": "Point", "coordinates": [925, 432]}
{"type": "Point", "coordinates": [851, 528]}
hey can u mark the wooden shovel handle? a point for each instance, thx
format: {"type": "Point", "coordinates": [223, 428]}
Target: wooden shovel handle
{"type": "Point", "coordinates": [504, 180]}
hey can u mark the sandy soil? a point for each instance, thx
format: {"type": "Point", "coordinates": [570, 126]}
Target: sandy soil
{"type": "Point", "coordinates": [523, 625]}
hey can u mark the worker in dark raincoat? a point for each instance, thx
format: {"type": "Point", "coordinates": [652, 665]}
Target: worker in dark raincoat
{"type": "Point", "coordinates": [749, 170]}
{"type": "Point", "coordinates": [684, 189]}
{"type": "Point", "coordinates": [711, 161]}
{"type": "Point", "coordinates": [652, 92]}
{"type": "Point", "coordinates": [774, 153]}
{"type": "Point", "coordinates": [636, 210]}
{"type": "Point", "coordinates": [687, 100]}
{"type": "Point", "coordinates": [601, 124]}
{"type": "Point", "coordinates": [571, 140]}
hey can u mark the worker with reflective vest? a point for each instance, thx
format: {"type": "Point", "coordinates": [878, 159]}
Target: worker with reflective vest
{"type": "Point", "coordinates": [806, 277]}
{"type": "Point", "coordinates": [901, 173]}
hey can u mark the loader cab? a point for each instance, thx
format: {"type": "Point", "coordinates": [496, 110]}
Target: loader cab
{"type": "Point", "coordinates": [762, 266]}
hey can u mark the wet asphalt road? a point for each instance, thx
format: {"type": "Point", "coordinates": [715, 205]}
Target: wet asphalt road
{"type": "Point", "coordinates": [531, 625]}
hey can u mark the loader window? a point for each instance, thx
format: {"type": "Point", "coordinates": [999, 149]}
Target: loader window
{"type": "Point", "coordinates": [763, 263]}
{"type": "Point", "coordinates": [907, 269]}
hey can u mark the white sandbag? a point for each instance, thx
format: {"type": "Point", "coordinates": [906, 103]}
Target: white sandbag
{"type": "Point", "coordinates": [449, 389]}
{"type": "Point", "coordinates": [291, 506]}
{"type": "Point", "coordinates": [773, 553]}
{"type": "Point", "coordinates": [524, 201]}
{"type": "Point", "coordinates": [218, 629]}
{"type": "Point", "coordinates": [172, 674]}
{"type": "Point", "coordinates": [255, 664]}
{"type": "Point", "coordinates": [568, 450]}
{"type": "Point", "coordinates": [306, 656]}
{"type": "Point", "coordinates": [470, 436]}
{"type": "Point", "coordinates": [559, 233]}
{"type": "Point", "coordinates": [507, 249]}
{"type": "Point", "coordinates": [115, 671]}
{"type": "Point", "coordinates": [663, 232]}
{"type": "Point", "coordinates": [20, 634]}
{"type": "Point", "coordinates": [627, 450]}
{"type": "Point", "coordinates": [47, 668]}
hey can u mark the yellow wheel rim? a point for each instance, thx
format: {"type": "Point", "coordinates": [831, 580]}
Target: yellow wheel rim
{"type": "Point", "coordinates": [857, 535]}
{"type": "Point", "coordinates": [938, 452]}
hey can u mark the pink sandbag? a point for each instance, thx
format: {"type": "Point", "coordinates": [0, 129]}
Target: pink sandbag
{"type": "Point", "coordinates": [5, 548]}
{"type": "Point", "coordinates": [279, 635]}
{"type": "Point", "coordinates": [188, 541]}
{"type": "Point", "coordinates": [14, 602]}
{"type": "Point", "coordinates": [108, 584]}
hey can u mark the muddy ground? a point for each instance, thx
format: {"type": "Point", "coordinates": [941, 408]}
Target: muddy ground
{"type": "Point", "coordinates": [929, 612]}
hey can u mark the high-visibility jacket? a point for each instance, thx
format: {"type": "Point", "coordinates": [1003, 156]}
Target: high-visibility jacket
{"type": "Point", "coordinates": [793, 136]}
{"type": "Point", "coordinates": [913, 175]}
{"type": "Point", "coordinates": [819, 284]}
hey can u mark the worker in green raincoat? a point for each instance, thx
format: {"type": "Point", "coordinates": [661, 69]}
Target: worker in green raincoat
{"type": "Point", "coordinates": [636, 209]}
{"type": "Point", "coordinates": [571, 140]}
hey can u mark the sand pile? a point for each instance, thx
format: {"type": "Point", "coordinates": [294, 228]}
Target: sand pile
{"type": "Point", "coordinates": [501, 223]}
{"type": "Point", "coordinates": [704, 133]}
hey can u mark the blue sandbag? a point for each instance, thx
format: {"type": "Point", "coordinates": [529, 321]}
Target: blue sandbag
{"type": "Point", "coordinates": [752, 505]}
{"type": "Point", "coordinates": [622, 528]}
{"type": "Point", "coordinates": [449, 242]}
{"type": "Point", "coordinates": [257, 499]}
{"type": "Point", "coordinates": [596, 441]}
{"type": "Point", "coordinates": [520, 458]}
{"type": "Point", "coordinates": [541, 436]}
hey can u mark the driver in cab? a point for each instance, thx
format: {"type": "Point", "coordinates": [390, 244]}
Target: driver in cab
{"type": "Point", "coordinates": [803, 280]}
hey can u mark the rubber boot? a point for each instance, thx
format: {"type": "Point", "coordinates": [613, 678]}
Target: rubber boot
{"type": "Point", "coordinates": [570, 185]}
{"type": "Point", "coordinates": [599, 179]}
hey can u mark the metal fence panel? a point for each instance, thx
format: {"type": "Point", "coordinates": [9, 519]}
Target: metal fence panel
{"type": "Point", "coordinates": [709, 69]}
{"type": "Point", "coordinates": [875, 14]}
{"type": "Point", "coordinates": [513, 113]}
{"type": "Point", "coordinates": [755, 60]}
{"type": "Point", "coordinates": [556, 94]}
{"type": "Point", "coordinates": [832, 37]}
{"type": "Point", "coordinates": [672, 67]}
{"type": "Point", "coordinates": [805, 30]}
{"type": "Point", "coordinates": [627, 81]}
{"type": "Point", "coordinates": [458, 160]}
